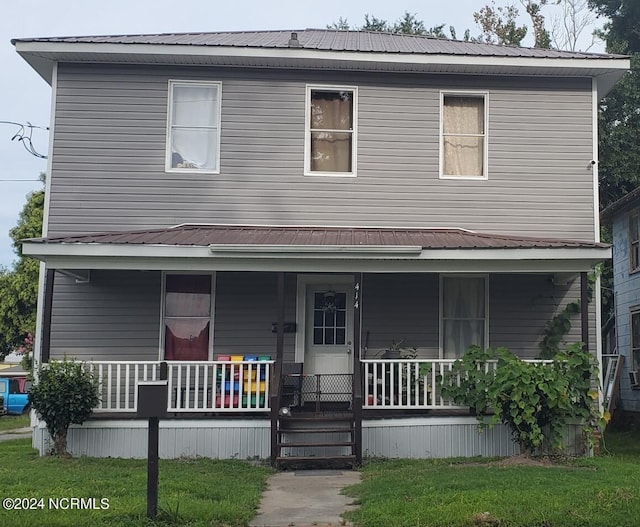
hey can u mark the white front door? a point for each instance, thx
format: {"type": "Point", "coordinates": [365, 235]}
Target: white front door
{"type": "Point", "coordinates": [329, 329]}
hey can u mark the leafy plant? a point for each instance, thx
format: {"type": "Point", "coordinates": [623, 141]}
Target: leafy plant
{"type": "Point", "coordinates": [537, 401]}
{"type": "Point", "coordinates": [65, 393]}
{"type": "Point", "coordinates": [467, 382]}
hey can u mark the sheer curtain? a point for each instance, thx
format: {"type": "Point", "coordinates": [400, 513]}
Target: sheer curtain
{"type": "Point", "coordinates": [463, 127]}
{"type": "Point", "coordinates": [187, 317]}
{"type": "Point", "coordinates": [463, 314]}
{"type": "Point", "coordinates": [194, 123]}
{"type": "Point", "coordinates": [331, 147]}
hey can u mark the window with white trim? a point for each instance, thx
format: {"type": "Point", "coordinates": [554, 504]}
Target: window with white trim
{"type": "Point", "coordinates": [463, 320]}
{"type": "Point", "coordinates": [330, 137]}
{"type": "Point", "coordinates": [635, 339]}
{"type": "Point", "coordinates": [187, 316]}
{"type": "Point", "coordinates": [634, 241]}
{"type": "Point", "coordinates": [193, 135]}
{"type": "Point", "coordinates": [463, 141]}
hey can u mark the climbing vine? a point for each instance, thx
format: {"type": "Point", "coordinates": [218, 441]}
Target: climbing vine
{"type": "Point", "coordinates": [535, 401]}
{"type": "Point", "coordinates": [560, 324]}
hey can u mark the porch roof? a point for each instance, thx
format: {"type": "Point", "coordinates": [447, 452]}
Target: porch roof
{"type": "Point", "coordinates": [308, 248]}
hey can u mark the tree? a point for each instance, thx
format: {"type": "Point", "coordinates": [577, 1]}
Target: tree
{"type": "Point", "coordinates": [567, 27]}
{"type": "Point", "coordinates": [407, 24]}
{"type": "Point", "coordinates": [64, 394]}
{"type": "Point", "coordinates": [499, 25]}
{"type": "Point", "coordinates": [19, 286]}
{"type": "Point", "coordinates": [619, 110]}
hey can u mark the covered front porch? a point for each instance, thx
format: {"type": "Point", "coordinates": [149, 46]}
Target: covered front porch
{"type": "Point", "coordinates": [261, 332]}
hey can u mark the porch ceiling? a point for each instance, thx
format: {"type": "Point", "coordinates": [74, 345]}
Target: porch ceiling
{"type": "Point", "coordinates": [289, 248]}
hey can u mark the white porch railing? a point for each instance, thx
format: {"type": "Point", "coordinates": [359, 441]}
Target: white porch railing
{"type": "Point", "coordinates": [410, 383]}
{"type": "Point", "coordinates": [218, 386]}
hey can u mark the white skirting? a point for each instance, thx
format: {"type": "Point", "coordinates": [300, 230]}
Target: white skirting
{"type": "Point", "coordinates": [420, 437]}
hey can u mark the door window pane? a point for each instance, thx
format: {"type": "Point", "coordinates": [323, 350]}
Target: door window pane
{"type": "Point", "coordinates": [329, 318]}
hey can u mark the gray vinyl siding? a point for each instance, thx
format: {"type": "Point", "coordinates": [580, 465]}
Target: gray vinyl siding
{"type": "Point", "coordinates": [399, 307]}
{"type": "Point", "coordinates": [109, 151]}
{"type": "Point", "coordinates": [246, 308]}
{"type": "Point", "coordinates": [116, 316]}
{"type": "Point", "coordinates": [520, 306]}
{"type": "Point", "coordinates": [627, 299]}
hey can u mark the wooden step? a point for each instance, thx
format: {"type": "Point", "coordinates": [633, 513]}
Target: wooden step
{"type": "Point", "coordinates": [315, 418]}
{"type": "Point", "coordinates": [320, 444]}
{"type": "Point", "coordinates": [316, 460]}
{"type": "Point", "coordinates": [314, 430]}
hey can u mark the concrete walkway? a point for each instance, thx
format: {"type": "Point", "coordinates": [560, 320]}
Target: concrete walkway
{"type": "Point", "coordinates": [305, 498]}
{"type": "Point", "coordinates": [16, 433]}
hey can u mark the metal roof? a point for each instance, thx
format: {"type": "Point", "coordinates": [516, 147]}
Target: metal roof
{"type": "Point", "coordinates": [630, 199]}
{"type": "Point", "coordinates": [205, 235]}
{"type": "Point", "coordinates": [327, 40]}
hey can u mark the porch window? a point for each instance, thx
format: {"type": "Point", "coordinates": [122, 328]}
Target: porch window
{"type": "Point", "coordinates": [193, 135]}
{"type": "Point", "coordinates": [635, 339]}
{"type": "Point", "coordinates": [463, 143]}
{"type": "Point", "coordinates": [187, 317]}
{"type": "Point", "coordinates": [634, 241]}
{"type": "Point", "coordinates": [331, 131]}
{"type": "Point", "coordinates": [464, 314]}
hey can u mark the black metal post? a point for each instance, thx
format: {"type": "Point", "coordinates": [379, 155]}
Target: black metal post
{"type": "Point", "coordinates": [152, 467]}
{"type": "Point", "coordinates": [584, 308]}
{"type": "Point", "coordinates": [276, 374]}
{"type": "Point", "coordinates": [357, 367]}
{"type": "Point", "coordinates": [46, 315]}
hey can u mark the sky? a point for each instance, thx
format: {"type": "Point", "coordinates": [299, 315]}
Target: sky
{"type": "Point", "coordinates": [25, 97]}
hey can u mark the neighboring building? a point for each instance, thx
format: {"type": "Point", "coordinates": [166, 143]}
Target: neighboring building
{"type": "Point", "coordinates": [310, 198]}
{"type": "Point", "coordinates": [624, 217]}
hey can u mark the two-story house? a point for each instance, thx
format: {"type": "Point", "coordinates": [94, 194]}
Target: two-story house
{"type": "Point", "coordinates": [624, 218]}
{"type": "Point", "coordinates": [272, 213]}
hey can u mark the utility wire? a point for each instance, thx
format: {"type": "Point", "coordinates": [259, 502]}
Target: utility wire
{"type": "Point", "coordinates": [24, 134]}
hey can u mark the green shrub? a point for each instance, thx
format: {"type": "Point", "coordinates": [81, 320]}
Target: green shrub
{"type": "Point", "coordinates": [536, 401]}
{"type": "Point", "coordinates": [65, 393]}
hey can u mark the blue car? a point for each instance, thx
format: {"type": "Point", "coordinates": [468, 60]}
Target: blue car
{"type": "Point", "coordinates": [14, 400]}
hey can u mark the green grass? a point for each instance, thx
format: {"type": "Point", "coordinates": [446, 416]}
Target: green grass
{"type": "Point", "coordinates": [191, 492]}
{"type": "Point", "coordinates": [602, 492]}
{"type": "Point", "coordinates": [9, 422]}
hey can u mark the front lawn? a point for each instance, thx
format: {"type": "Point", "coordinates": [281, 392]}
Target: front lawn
{"type": "Point", "coordinates": [602, 491]}
{"type": "Point", "coordinates": [11, 422]}
{"type": "Point", "coordinates": [198, 492]}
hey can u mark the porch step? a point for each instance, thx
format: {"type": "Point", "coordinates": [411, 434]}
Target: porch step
{"type": "Point", "coordinates": [316, 461]}
{"type": "Point", "coordinates": [317, 444]}
{"type": "Point", "coordinates": [314, 430]}
{"type": "Point", "coordinates": [316, 440]}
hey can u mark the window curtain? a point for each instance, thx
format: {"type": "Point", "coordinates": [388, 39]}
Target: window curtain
{"type": "Point", "coordinates": [463, 314]}
{"type": "Point", "coordinates": [463, 127]}
{"type": "Point", "coordinates": [330, 148]}
{"type": "Point", "coordinates": [187, 317]}
{"type": "Point", "coordinates": [194, 134]}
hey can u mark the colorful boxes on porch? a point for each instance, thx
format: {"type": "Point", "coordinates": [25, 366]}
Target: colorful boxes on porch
{"type": "Point", "coordinates": [263, 369]}
{"type": "Point", "coordinates": [227, 401]}
{"type": "Point", "coordinates": [255, 386]}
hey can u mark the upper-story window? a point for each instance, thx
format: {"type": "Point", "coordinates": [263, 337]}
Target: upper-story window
{"type": "Point", "coordinates": [330, 142]}
{"type": "Point", "coordinates": [463, 135]}
{"type": "Point", "coordinates": [193, 135]}
{"type": "Point", "coordinates": [634, 241]}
